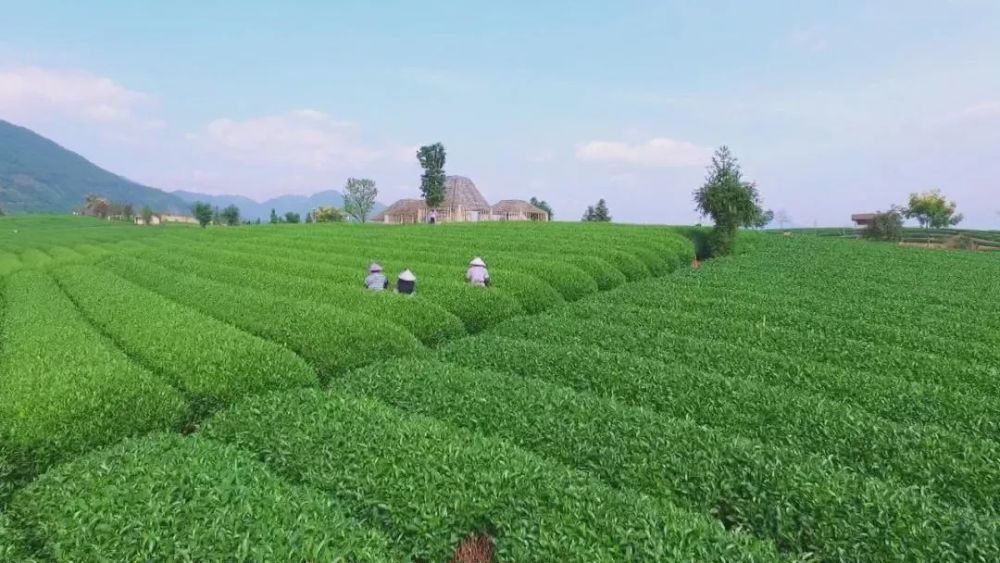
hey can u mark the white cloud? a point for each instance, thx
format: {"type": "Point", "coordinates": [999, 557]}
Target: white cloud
{"type": "Point", "coordinates": [659, 151]}
{"type": "Point", "coordinates": [301, 138]}
{"type": "Point", "coordinates": [32, 91]}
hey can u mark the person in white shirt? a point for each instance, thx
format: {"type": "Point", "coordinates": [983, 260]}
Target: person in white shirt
{"type": "Point", "coordinates": [477, 273]}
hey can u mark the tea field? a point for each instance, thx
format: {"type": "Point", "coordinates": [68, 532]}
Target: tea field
{"type": "Point", "coordinates": [179, 394]}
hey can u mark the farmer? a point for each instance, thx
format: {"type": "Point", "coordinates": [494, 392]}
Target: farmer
{"type": "Point", "coordinates": [477, 273]}
{"type": "Point", "coordinates": [407, 283]}
{"type": "Point", "coordinates": [376, 280]}
{"type": "Point", "coordinates": [432, 217]}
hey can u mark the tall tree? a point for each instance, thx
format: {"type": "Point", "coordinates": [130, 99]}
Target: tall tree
{"type": "Point", "coordinates": [588, 215]}
{"type": "Point", "coordinates": [147, 215]}
{"type": "Point", "coordinates": [432, 159]}
{"type": "Point", "coordinates": [309, 217]}
{"type": "Point", "coordinates": [292, 217]}
{"type": "Point", "coordinates": [726, 198]}
{"type": "Point", "coordinates": [274, 217]}
{"type": "Point", "coordinates": [601, 213]}
{"type": "Point", "coordinates": [543, 205]}
{"type": "Point", "coordinates": [932, 210]}
{"type": "Point", "coordinates": [202, 212]}
{"type": "Point", "coordinates": [230, 215]}
{"type": "Point", "coordinates": [359, 198]}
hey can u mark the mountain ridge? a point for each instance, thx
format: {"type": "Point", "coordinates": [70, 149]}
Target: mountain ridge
{"type": "Point", "coordinates": [38, 175]}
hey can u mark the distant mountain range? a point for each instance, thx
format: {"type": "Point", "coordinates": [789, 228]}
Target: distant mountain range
{"type": "Point", "coordinates": [39, 176]}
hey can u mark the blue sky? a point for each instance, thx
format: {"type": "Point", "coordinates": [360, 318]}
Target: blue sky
{"type": "Point", "coordinates": [833, 107]}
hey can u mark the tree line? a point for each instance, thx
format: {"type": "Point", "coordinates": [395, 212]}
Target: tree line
{"type": "Point", "coordinates": [931, 210]}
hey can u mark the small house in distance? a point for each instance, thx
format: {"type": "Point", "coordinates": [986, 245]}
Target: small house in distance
{"type": "Point", "coordinates": [518, 210]}
{"type": "Point", "coordinates": [462, 204]}
{"type": "Point", "coordinates": [863, 220]}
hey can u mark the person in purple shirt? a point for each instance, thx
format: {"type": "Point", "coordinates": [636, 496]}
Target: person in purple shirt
{"type": "Point", "coordinates": [477, 273]}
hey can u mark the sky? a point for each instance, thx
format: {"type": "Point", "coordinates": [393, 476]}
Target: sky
{"type": "Point", "coordinates": [831, 107]}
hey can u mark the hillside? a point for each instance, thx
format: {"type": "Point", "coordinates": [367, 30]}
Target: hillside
{"type": "Point", "coordinates": [251, 209]}
{"type": "Point", "coordinates": [39, 176]}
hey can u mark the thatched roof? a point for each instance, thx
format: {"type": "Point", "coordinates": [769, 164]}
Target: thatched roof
{"type": "Point", "coordinates": [517, 206]}
{"type": "Point", "coordinates": [401, 207]}
{"type": "Point", "coordinates": [460, 191]}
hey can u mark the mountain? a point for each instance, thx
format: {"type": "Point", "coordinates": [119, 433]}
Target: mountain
{"type": "Point", "coordinates": [251, 209]}
{"type": "Point", "coordinates": [38, 176]}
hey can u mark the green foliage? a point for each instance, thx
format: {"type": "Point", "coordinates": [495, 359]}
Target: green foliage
{"type": "Point", "coordinates": [230, 215]}
{"type": "Point", "coordinates": [147, 215]}
{"type": "Point", "coordinates": [886, 225]}
{"type": "Point", "coordinates": [328, 215]}
{"type": "Point", "coordinates": [64, 388]}
{"type": "Point", "coordinates": [729, 200]}
{"type": "Point", "coordinates": [428, 485]}
{"type": "Point", "coordinates": [432, 159]}
{"type": "Point", "coordinates": [359, 198]}
{"type": "Point", "coordinates": [168, 498]}
{"type": "Point", "coordinates": [274, 217]}
{"type": "Point", "coordinates": [172, 341]}
{"type": "Point", "coordinates": [804, 505]}
{"type": "Point", "coordinates": [331, 339]}
{"type": "Point", "coordinates": [932, 210]}
{"type": "Point", "coordinates": [203, 213]}
{"type": "Point", "coordinates": [597, 213]}
{"type": "Point", "coordinates": [292, 217]}
{"type": "Point", "coordinates": [543, 205]}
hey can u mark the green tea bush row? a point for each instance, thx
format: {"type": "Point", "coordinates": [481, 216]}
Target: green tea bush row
{"type": "Point", "coordinates": [332, 340]}
{"type": "Point", "coordinates": [919, 455]}
{"type": "Point", "coordinates": [9, 262]}
{"type": "Point", "coordinates": [806, 506]}
{"type": "Point", "coordinates": [211, 361]}
{"type": "Point", "coordinates": [477, 309]}
{"type": "Point", "coordinates": [428, 485]}
{"type": "Point", "coordinates": [169, 498]}
{"type": "Point", "coordinates": [834, 350]}
{"type": "Point", "coordinates": [532, 293]}
{"type": "Point", "coordinates": [430, 323]}
{"type": "Point", "coordinates": [12, 542]}
{"type": "Point", "coordinates": [34, 258]}
{"type": "Point", "coordinates": [64, 388]}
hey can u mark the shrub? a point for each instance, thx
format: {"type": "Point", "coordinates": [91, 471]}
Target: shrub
{"type": "Point", "coordinates": [430, 485]}
{"type": "Point", "coordinates": [806, 506]}
{"type": "Point", "coordinates": [169, 498]}
{"type": "Point", "coordinates": [211, 361]}
{"type": "Point", "coordinates": [63, 387]}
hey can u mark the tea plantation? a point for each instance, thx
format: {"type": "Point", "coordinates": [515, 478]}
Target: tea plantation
{"type": "Point", "coordinates": [234, 394]}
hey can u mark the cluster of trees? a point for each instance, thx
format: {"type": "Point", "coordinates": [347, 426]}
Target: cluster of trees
{"type": "Point", "coordinates": [931, 210]}
{"type": "Point", "coordinates": [96, 206]}
{"type": "Point", "coordinates": [597, 213]}
{"type": "Point", "coordinates": [205, 214]}
{"type": "Point", "coordinates": [359, 200]}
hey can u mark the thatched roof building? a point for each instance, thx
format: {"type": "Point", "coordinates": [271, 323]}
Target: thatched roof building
{"type": "Point", "coordinates": [517, 210]}
{"type": "Point", "coordinates": [462, 202]}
